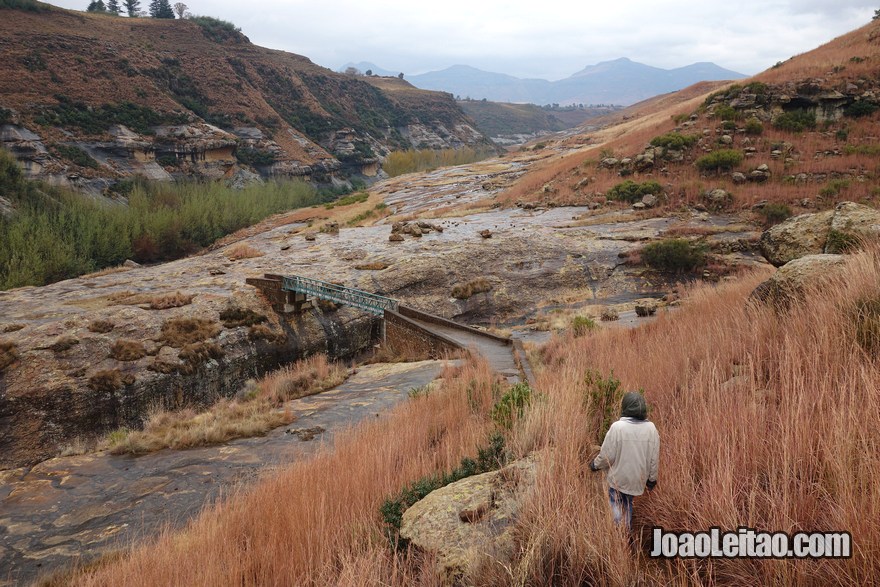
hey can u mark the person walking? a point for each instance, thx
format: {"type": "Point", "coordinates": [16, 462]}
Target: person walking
{"type": "Point", "coordinates": [631, 453]}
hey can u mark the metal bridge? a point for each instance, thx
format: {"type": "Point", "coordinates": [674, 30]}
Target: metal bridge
{"type": "Point", "coordinates": [323, 290]}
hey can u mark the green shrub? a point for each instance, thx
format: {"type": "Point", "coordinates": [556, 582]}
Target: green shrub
{"type": "Point", "coordinates": [489, 458]}
{"type": "Point", "coordinates": [97, 120]}
{"type": "Point", "coordinates": [834, 187]}
{"type": "Point", "coordinates": [775, 213]}
{"type": "Point", "coordinates": [870, 150]}
{"type": "Point", "coordinates": [674, 255]}
{"type": "Point", "coordinates": [5, 116]}
{"type": "Point", "coordinates": [512, 405]}
{"type": "Point", "coordinates": [754, 127]}
{"type": "Point", "coordinates": [357, 198]}
{"type": "Point", "coordinates": [675, 141]}
{"type": "Point", "coordinates": [722, 159]}
{"type": "Point", "coordinates": [630, 191]}
{"type": "Point", "coordinates": [725, 112]}
{"type": "Point", "coordinates": [582, 325]}
{"type": "Point", "coordinates": [27, 5]}
{"type": "Point", "coordinates": [796, 120]}
{"type": "Point", "coordinates": [860, 109]}
{"type": "Point", "coordinates": [757, 88]}
{"type": "Point", "coordinates": [76, 156]}
{"type": "Point", "coordinates": [254, 157]}
{"type": "Point", "coordinates": [602, 398]}
{"type": "Point", "coordinates": [218, 30]}
{"type": "Point", "coordinates": [841, 242]}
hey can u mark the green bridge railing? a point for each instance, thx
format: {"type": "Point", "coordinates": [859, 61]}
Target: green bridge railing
{"type": "Point", "coordinates": [369, 302]}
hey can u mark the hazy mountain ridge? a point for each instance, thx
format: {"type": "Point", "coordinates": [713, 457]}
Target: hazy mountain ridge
{"type": "Point", "coordinates": [621, 81]}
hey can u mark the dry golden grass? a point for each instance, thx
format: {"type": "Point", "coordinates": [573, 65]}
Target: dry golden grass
{"type": "Point", "coordinates": [243, 251]}
{"type": "Point", "coordinates": [464, 291]}
{"type": "Point", "coordinates": [179, 332]}
{"type": "Point", "coordinates": [316, 522]}
{"type": "Point", "coordinates": [258, 409]}
{"type": "Point", "coordinates": [761, 417]}
{"type": "Point", "coordinates": [8, 354]}
{"type": "Point", "coordinates": [127, 350]}
{"type": "Point", "coordinates": [107, 271]}
{"type": "Point", "coordinates": [168, 301]}
{"type": "Point", "coordinates": [101, 326]}
{"type": "Point", "coordinates": [374, 266]}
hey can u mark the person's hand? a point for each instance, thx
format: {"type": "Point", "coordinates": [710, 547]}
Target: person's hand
{"type": "Point", "coordinates": [650, 485]}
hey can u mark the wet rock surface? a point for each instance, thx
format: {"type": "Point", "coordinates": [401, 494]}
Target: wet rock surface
{"type": "Point", "coordinates": [73, 509]}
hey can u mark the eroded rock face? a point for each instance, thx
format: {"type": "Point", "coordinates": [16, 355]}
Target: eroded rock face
{"type": "Point", "coordinates": [470, 522]}
{"type": "Point", "coordinates": [830, 231]}
{"type": "Point", "coordinates": [790, 282]}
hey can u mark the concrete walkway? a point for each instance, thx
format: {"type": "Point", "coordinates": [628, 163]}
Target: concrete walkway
{"type": "Point", "coordinates": [499, 355]}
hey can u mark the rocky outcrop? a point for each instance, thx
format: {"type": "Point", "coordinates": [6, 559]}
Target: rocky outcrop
{"type": "Point", "coordinates": [470, 522]}
{"type": "Point", "coordinates": [831, 231]}
{"type": "Point", "coordinates": [791, 281]}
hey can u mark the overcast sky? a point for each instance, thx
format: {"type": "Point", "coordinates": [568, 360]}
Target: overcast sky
{"type": "Point", "coordinates": [549, 39]}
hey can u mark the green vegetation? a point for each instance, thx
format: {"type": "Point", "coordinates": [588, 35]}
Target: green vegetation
{"type": "Point", "coordinates": [488, 459]}
{"type": "Point", "coordinates": [28, 5]}
{"type": "Point", "coordinates": [602, 399]}
{"type": "Point", "coordinates": [774, 213]}
{"type": "Point", "coordinates": [834, 187]}
{"type": "Point", "coordinates": [674, 254]}
{"type": "Point", "coordinates": [216, 29]}
{"type": "Point", "coordinates": [630, 191]}
{"type": "Point", "coordinates": [254, 157]}
{"type": "Point", "coordinates": [76, 156]}
{"type": "Point", "coordinates": [754, 127]}
{"type": "Point", "coordinates": [55, 234]}
{"type": "Point", "coordinates": [5, 116]}
{"type": "Point", "coordinates": [725, 112]}
{"type": "Point", "coordinates": [357, 198]}
{"type": "Point", "coordinates": [97, 120]}
{"type": "Point", "coordinates": [675, 141]}
{"type": "Point", "coordinates": [841, 242]}
{"type": "Point", "coordinates": [582, 325]}
{"type": "Point", "coordinates": [722, 159]}
{"type": "Point", "coordinates": [511, 405]}
{"type": "Point", "coordinates": [400, 162]}
{"type": "Point", "coordinates": [869, 150]}
{"type": "Point", "coordinates": [860, 109]}
{"type": "Point", "coordinates": [796, 121]}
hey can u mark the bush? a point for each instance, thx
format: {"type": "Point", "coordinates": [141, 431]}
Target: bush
{"type": "Point", "coordinates": [725, 112]}
{"type": "Point", "coordinates": [774, 213]}
{"type": "Point", "coordinates": [720, 160]}
{"type": "Point", "coordinates": [834, 187]}
{"type": "Point", "coordinates": [754, 127]}
{"type": "Point", "coordinates": [76, 156]}
{"type": "Point", "coordinates": [467, 290]}
{"type": "Point", "coordinates": [796, 120]}
{"type": "Point", "coordinates": [5, 116]}
{"type": "Point", "coordinates": [98, 120]}
{"type": "Point", "coordinates": [27, 5]}
{"type": "Point", "coordinates": [218, 30]}
{"type": "Point", "coordinates": [675, 141]}
{"type": "Point", "coordinates": [233, 317]}
{"type": "Point", "coordinates": [127, 350]}
{"type": "Point", "coordinates": [602, 398]}
{"type": "Point", "coordinates": [101, 326]}
{"type": "Point", "coordinates": [630, 191]}
{"type": "Point", "coordinates": [582, 325]}
{"type": "Point", "coordinates": [254, 157]}
{"type": "Point", "coordinates": [860, 109]}
{"type": "Point", "coordinates": [179, 332]}
{"type": "Point", "coordinates": [197, 354]}
{"type": "Point", "coordinates": [512, 405]}
{"type": "Point", "coordinates": [674, 255]}
{"type": "Point", "coordinates": [841, 242]}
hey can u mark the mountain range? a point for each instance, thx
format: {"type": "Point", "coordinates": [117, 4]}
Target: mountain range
{"type": "Point", "coordinates": [621, 81]}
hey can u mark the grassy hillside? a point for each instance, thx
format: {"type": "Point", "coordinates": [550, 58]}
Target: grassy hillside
{"type": "Point", "coordinates": [832, 157]}
{"type": "Point", "coordinates": [83, 72]}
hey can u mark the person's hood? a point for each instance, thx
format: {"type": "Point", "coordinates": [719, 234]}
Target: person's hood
{"type": "Point", "coordinates": [634, 406]}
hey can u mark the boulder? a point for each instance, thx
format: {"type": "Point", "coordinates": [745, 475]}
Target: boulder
{"type": "Point", "coordinates": [789, 283]}
{"type": "Point", "coordinates": [639, 206]}
{"type": "Point", "coordinates": [738, 178]}
{"type": "Point", "coordinates": [486, 233]}
{"type": "Point", "coordinates": [395, 237]}
{"type": "Point", "coordinates": [831, 231]}
{"type": "Point", "coordinates": [649, 200]}
{"type": "Point", "coordinates": [471, 522]}
{"type": "Point", "coordinates": [718, 199]}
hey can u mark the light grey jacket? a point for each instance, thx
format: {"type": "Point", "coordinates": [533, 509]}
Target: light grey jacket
{"type": "Point", "coordinates": [631, 452]}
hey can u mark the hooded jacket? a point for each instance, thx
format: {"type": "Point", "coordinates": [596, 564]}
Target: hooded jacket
{"type": "Point", "coordinates": [631, 449]}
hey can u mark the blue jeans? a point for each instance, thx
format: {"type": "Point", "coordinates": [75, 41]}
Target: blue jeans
{"type": "Point", "coordinates": [621, 507]}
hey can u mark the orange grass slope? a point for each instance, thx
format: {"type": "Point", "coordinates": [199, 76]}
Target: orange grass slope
{"type": "Point", "coordinates": [848, 58]}
{"type": "Point", "coordinates": [317, 522]}
{"type": "Point", "coordinates": [767, 420]}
